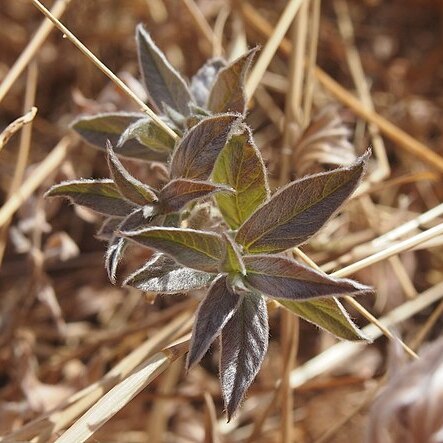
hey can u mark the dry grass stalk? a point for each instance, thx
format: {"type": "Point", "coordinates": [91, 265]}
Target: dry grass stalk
{"type": "Point", "coordinates": [16, 125]}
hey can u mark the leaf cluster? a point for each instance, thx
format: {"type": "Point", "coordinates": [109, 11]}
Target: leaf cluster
{"type": "Point", "coordinates": [241, 258]}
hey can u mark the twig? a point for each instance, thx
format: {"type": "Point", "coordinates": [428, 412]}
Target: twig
{"type": "Point", "coordinates": [41, 172]}
{"type": "Point", "coordinates": [71, 37]}
{"type": "Point", "coordinates": [16, 125]}
{"type": "Point", "coordinates": [33, 46]}
{"type": "Point", "coordinates": [271, 46]}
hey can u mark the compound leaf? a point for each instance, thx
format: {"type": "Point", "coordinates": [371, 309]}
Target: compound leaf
{"type": "Point", "coordinates": [328, 314]}
{"type": "Point", "coordinates": [196, 153]}
{"type": "Point", "coordinates": [163, 275]}
{"type": "Point", "coordinates": [195, 249]}
{"type": "Point", "coordinates": [244, 341]}
{"type": "Point", "coordinates": [299, 210]}
{"type": "Point", "coordinates": [281, 277]}
{"type": "Point", "coordinates": [213, 313]}
{"type": "Point", "coordinates": [99, 195]}
{"type": "Point", "coordinates": [163, 83]}
{"type": "Point", "coordinates": [177, 193]}
{"type": "Point", "coordinates": [98, 129]}
{"type": "Point", "coordinates": [148, 134]}
{"type": "Point", "coordinates": [202, 82]}
{"type": "Point", "coordinates": [240, 166]}
{"type": "Point", "coordinates": [132, 189]}
{"type": "Point", "coordinates": [228, 92]}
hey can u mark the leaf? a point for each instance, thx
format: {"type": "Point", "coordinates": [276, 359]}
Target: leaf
{"type": "Point", "coordinates": [128, 186]}
{"type": "Point", "coordinates": [240, 166]}
{"type": "Point", "coordinates": [282, 277]}
{"type": "Point", "coordinates": [195, 249]}
{"type": "Point", "coordinates": [148, 134]}
{"type": "Point", "coordinates": [202, 82]}
{"type": "Point", "coordinates": [163, 275]}
{"type": "Point", "coordinates": [114, 254]}
{"type": "Point", "coordinates": [244, 341]}
{"type": "Point", "coordinates": [232, 261]}
{"type": "Point", "coordinates": [99, 195]}
{"type": "Point", "coordinates": [96, 130]}
{"type": "Point", "coordinates": [213, 313]}
{"type": "Point", "coordinates": [179, 192]}
{"type": "Point", "coordinates": [108, 227]}
{"type": "Point", "coordinates": [163, 83]}
{"type": "Point", "coordinates": [138, 219]}
{"type": "Point", "coordinates": [196, 153]}
{"type": "Point", "coordinates": [299, 210]}
{"type": "Point", "coordinates": [228, 92]}
{"type": "Point", "coordinates": [328, 314]}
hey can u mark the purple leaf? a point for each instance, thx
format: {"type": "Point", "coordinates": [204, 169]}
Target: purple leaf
{"type": "Point", "coordinates": [195, 249]}
{"type": "Point", "coordinates": [132, 189]}
{"type": "Point", "coordinates": [163, 83]}
{"type": "Point", "coordinates": [196, 153]}
{"type": "Point", "coordinates": [299, 210]}
{"type": "Point", "coordinates": [240, 166]}
{"type": "Point", "coordinates": [99, 195]}
{"type": "Point", "coordinates": [202, 82]}
{"type": "Point", "coordinates": [108, 227]}
{"type": "Point", "coordinates": [179, 192]}
{"type": "Point", "coordinates": [114, 254]}
{"type": "Point", "coordinates": [97, 129]}
{"type": "Point", "coordinates": [163, 275]}
{"type": "Point", "coordinates": [281, 277]}
{"type": "Point", "coordinates": [328, 314]}
{"type": "Point", "coordinates": [138, 219]}
{"type": "Point", "coordinates": [228, 92]}
{"type": "Point", "coordinates": [244, 341]}
{"type": "Point", "coordinates": [232, 262]}
{"type": "Point", "coordinates": [213, 313]}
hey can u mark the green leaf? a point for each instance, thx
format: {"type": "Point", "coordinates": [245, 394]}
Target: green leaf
{"type": "Point", "coordinates": [195, 249]}
{"type": "Point", "coordinates": [196, 153]}
{"type": "Point", "coordinates": [213, 313]}
{"type": "Point", "coordinates": [299, 210]}
{"type": "Point", "coordinates": [240, 166]}
{"type": "Point", "coordinates": [128, 186]}
{"type": "Point", "coordinates": [228, 92]}
{"type": "Point", "coordinates": [148, 134]}
{"type": "Point", "coordinates": [99, 195]}
{"type": "Point", "coordinates": [232, 261]}
{"type": "Point", "coordinates": [163, 83]}
{"type": "Point", "coordinates": [163, 275]}
{"type": "Point", "coordinates": [179, 192]}
{"type": "Point", "coordinates": [244, 342]}
{"type": "Point", "coordinates": [328, 314]}
{"type": "Point", "coordinates": [98, 129]}
{"type": "Point", "coordinates": [202, 82]}
{"type": "Point", "coordinates": [281, 277]}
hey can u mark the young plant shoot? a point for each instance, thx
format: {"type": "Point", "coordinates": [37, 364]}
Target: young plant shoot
{"type": "Point", "coordinates": [244, 257]}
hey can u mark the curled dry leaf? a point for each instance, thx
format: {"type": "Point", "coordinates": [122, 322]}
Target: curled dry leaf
{"type": "Point", "coordinates": [325, 141]}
